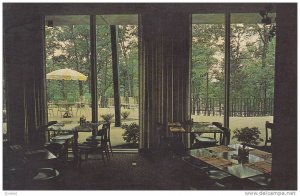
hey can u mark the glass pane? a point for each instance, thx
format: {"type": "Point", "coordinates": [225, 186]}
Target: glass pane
{"type": "Point", "coordinates": [67, 49]}
{"type": "Point", "coordinates": [252, 72]}
{"type": "Point", "coordinates": [207, 85]}
{"type": "Point", "coordinates": [127, 50]}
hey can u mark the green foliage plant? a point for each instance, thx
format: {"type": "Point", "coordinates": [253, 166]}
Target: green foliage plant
{"type": "Point", "coordinates": [125, 114]}
{"type": "Point", "coordinates": [131, 134]}
{"type": "Point", "coordinates": [107, 117]}
{"type": "Point", "coordinates": [247, 135]}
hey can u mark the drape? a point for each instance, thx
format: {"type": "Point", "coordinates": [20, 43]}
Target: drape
{"type": "Point", "coordinates": [24, 77]}
{"type": "Point", "coordinates": [164, 72]}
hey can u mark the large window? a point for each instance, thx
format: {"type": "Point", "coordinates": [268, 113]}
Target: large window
{"type": "Point", "coordinates": [252, 60]}
{"type": "Point", "coordinates": [126, 32]}
{"type": "Point", "coordinates": [207, 86]}
{"type": "Point", "coordinates": [251, 65]}
{"type": "Point", "coordinates": [68, 70]}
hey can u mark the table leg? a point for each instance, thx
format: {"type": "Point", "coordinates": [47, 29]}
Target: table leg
{"type": "Point", "coordinates": [221, 138]}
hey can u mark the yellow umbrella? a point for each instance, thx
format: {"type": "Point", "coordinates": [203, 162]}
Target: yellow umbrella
{"type": "Point", "coordinates": [66, 74]}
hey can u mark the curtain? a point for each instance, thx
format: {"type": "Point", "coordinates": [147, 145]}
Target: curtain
{"type": "Point", "coordinates": [164, 72]}
{"type": "Point", "coordinates": [24, 75]}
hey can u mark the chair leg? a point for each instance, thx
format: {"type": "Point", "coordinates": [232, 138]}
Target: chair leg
{"type": "Point", "coordinates": [110, 148]}
{"type": "Point", "coordinates": [79, 159]}
{"type": "Point", "coordinates": [107, 154]}
{"type": "Point", "coordinates": [103, 158]}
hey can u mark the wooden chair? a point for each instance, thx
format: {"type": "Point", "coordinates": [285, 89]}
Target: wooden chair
{"type": "Point", "coordinates": [225, 137]}
{"type": "Point", "coordinates": [168, 142]}
{"type": "Point", "coordinates": [269, 129]}
{"type": "Point", "coordinates": [95, 144]}
{"type": "Point", "coordinates": [58, 144]}
{"type": "Point", "coordinates": [107, 126]}
{"type": "Point", "coordinates": [45, 128]}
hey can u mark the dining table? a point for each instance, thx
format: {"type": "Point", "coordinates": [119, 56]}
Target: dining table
{"type": "Point", "coordinates": [179, 129]}
{"type": "Point", "coordinates": [226, 158]}
{"type": "Point", "coordinates": [31, 156]}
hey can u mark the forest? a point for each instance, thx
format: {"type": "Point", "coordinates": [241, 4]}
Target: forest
{"type": "Point", "coordinates": [252, 59]}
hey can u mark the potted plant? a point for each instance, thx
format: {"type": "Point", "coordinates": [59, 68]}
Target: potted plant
{"type": "Point", "coordinates": [107, 117]}
{"type": "Point", "coordinates": [125, 114]}
{"type": "Point", "coordinates": [247, 136]}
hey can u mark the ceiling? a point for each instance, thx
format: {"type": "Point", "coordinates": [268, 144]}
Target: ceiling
{"type": "Point", "coordinates": [132, 19]}
{"type": "Point", "coordinates": [246, 18]}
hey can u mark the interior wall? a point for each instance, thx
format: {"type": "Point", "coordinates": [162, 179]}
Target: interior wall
{"type": "Point", "coordinates": [165, 69]}
{"type": "Point", "coordinates": [284, 135]}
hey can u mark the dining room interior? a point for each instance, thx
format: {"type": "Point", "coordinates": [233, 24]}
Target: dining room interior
{"type": "Point", "coordinates": [148, 96]}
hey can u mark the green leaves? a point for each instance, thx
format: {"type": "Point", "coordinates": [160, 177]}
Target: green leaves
{"type": "Point", "coordinates": [69, 47]}
{"type": "Point", "coordinates": [252, 56]}
{"type": "Point", "coordinates": [247, 135]}
{"type": "Point", "coordinates": [131, 134]}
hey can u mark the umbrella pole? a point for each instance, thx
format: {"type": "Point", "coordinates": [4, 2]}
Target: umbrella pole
{"type": "Point", "coordinates": [64, 90]}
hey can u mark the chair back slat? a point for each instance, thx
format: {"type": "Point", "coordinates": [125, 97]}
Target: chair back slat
{"type": "Point", "coordinates": [107, 126]}
{"type": "Point", "coordinates": [269, 128]}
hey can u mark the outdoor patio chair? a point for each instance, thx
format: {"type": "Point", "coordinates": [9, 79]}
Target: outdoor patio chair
{"type": "Point", "coordinates": [51, 107]}
{"type": "Point", "coordinates": [269, 129]}
{"type": "Point", "coordinates": [80, 106]}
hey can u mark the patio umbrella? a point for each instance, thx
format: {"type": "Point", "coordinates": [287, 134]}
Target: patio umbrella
{"type": "Point", "coordinates": [66, 74]}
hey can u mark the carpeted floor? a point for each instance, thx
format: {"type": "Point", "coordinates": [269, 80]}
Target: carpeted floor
{"type": "Point", "coordinates": [127, 171]}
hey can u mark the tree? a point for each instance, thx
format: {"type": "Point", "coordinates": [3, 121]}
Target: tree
{"type": "Point", "coordinates": [128, 58]}
{"type": "Point", "coordinates": [206, 40]}
{"type": "Point", "coordinates": [69, 47]}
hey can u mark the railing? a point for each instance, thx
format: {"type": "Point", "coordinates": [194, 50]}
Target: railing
{"type": "Point", "coordinates": [237, 106]}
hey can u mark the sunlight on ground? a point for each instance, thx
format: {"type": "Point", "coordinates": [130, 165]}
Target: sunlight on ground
{"type": "Point", "coordinates": [116, 132]}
